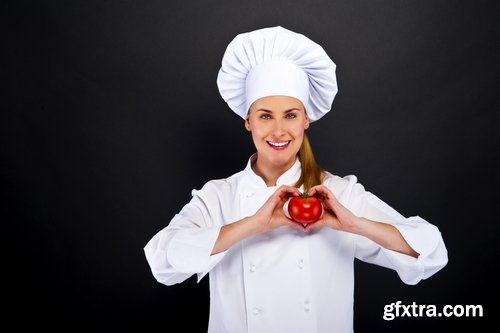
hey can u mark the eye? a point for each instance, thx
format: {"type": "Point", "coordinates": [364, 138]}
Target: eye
{"type": "Point", "coordinates": [265, 116]}
{"type": "Point", "coordinates": [290, 115]}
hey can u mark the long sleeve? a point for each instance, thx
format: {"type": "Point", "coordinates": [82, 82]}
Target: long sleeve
{"type": "Point", "coordinates": [424, 237]}
{"type": "Point", "coordinates": [184, 247]}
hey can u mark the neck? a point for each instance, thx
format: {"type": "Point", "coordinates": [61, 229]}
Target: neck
{"type": "Point", "coordinates": [270, 172]}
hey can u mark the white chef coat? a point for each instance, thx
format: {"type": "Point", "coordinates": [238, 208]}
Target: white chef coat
{"type": "Point", "coordinates": [283, 281]}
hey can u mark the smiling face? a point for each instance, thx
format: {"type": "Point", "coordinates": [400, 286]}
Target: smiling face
{"type": "Point", "coordinates": [277, 124]}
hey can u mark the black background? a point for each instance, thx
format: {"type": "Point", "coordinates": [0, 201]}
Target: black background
{"type": "Point", "coordinates": [111, 116]}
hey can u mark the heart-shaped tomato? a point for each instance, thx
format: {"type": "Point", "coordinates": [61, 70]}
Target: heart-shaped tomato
{"type": "Point", "coordinates": [303, 209]}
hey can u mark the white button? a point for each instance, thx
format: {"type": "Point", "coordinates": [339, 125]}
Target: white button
{"type": "Point", "coordinates": [307, 306]}
{"type": "Point", "coordinates": [249, 194]}
{"type": "Point", "coordinates": [255, 311]}
{"type": "Point", "coordinates": [300, 263]}
{"type": "Point", "coordinates": [253, 268]}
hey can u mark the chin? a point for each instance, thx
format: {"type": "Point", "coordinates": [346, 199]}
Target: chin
{"type": "Point", "coordinates": [282, 160]}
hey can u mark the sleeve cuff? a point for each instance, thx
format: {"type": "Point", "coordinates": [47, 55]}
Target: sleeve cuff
{"type": "Point", "coordinates": [410, 270]}
{"type": "Point", "coordinates": [422, 236]}
{"type": "Point", "coordinates": [213, 260]}
{"type": "Point", "coordinates": [190, 250]}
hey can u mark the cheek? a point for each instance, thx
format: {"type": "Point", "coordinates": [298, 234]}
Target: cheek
{"type": "Point", "coordinates": [298, 133]}
{"type": "Point", "coordinates": [257, 135]}
{"type": "Point", "coordinates": [258, 131]}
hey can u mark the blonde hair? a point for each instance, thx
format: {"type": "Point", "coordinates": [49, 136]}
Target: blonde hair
{"type": "Point", "coordinates": [311, 174]}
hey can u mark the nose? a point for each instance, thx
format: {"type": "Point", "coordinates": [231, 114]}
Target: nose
{"type": "Point", "coordinates": [279, 129]}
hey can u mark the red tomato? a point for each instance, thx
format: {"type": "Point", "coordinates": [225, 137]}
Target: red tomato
{"type": "Point", "coordinates": [303, 209]}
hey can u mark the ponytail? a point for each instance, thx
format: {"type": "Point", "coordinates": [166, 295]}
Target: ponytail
{"type": "Point", "coordinates": [311, 174]}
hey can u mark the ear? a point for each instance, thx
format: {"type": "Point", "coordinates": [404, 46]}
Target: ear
{"type": "Point", "coordinates": [247, 123]}
{"type": "Point", "coordinates": [306, 123]}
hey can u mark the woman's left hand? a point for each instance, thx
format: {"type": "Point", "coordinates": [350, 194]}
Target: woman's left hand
{"type": "Point", "coordinates": [335, 215]}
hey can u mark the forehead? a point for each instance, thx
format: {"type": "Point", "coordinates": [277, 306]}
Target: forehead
{"type": "Point", "coordinates": [277, 103]}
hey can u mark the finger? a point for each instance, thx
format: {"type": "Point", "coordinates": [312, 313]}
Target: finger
{"type": "Point", "coordinates": [285, 191]}
{"type": "Point", "coordinates": [318, 190]}
{"type": "Point", "coordinates": [297, 226]}
{"type": "Point", "coordinates": [311, 226]}
{"type": "Point", "coordinates": [325, 193]}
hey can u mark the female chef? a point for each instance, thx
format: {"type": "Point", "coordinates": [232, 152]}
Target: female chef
{"type": "Point", "coordinates": [268, 273]}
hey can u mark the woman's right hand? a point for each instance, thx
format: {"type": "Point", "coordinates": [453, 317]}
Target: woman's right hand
{"type": "Point", "coordinates": [270, 216]}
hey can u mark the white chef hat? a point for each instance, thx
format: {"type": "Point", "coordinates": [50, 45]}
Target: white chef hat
{"type": "Point", "coordinates": [276, 61]}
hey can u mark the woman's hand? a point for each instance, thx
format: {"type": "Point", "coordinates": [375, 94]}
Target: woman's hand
{"type": "Point", "coordinates": [335, 215]}
{"type": "Point", "coordinates": [338, 217]}
{"type": "Point", "coordinates": [270, 216]}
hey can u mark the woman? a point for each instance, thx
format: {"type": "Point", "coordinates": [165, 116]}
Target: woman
{"type": "Point", "coordinates": [267, 272]}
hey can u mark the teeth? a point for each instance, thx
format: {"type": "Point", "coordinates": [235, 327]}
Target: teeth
{"type": "Point", "coordinates": [278, 144]}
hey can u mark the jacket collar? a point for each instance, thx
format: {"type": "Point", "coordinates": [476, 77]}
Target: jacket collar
{"type": "Point", "coordinates": [289, 177]}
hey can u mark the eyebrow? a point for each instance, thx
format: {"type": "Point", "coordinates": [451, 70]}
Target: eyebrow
{"type": "Point", "coordinates": [286, 111]}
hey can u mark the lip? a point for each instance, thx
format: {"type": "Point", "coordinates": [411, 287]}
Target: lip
{"type": "Point", "coordinates": [279, 145]}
